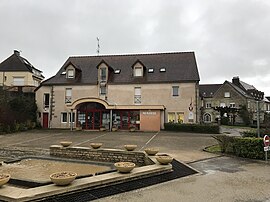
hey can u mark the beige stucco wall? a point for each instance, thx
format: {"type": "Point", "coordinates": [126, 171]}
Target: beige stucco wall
{"type": "Point", "coordinates": [28, 78]}
{"type": "Point", "coordinates": [152, 94]}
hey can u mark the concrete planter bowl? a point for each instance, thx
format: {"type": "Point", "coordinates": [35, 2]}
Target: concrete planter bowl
{"type": "Point", "coordinates": [95, 145]}
{"type": "Point", "coordinates": [162, 159]}
{"type": "Point", "coordinates": [151, 151]}
{"type": "Point", "coordinates": [4, 178]}
{"type": "Point", "coordinates": [124, 167]}
{"type": "Point", "coordinates": [63, 178]}
{"type": "Point", "coordinates": [65, 143]}
{"type": "Point", "coordinates": [130, 147]}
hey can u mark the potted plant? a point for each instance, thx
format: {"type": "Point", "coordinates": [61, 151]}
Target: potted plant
{"type": "Point", "coordinates": [63, 178]}
{"type": "Point", "coordinates": [4, 178]}
{"type": "Point", "coordinates": [79, 126]}
{"type": "Point", "coordinates": [102, 128]}
{"type": "Point", "coordinates": [151, 151]}
{"type": "Point", "coordinates": [164, 159]}
{"type": "Point", "coordinates": [124, 167]}
{"type": "Point", "coordinates": [114, 128]}
{"type": "Point", "coordinates": [132, 128]}
{"type": "Point", "coordinates": [95, 145]}
{"type": "Point", "coordinates": [130, 147]}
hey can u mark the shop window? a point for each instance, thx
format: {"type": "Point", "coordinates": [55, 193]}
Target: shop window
{"type": "Point", "coordinates": [68, 97]}
{"type": "Point", "coordinates": [64, 117]}
{"type": "Point", "coordinates": [180, 117]}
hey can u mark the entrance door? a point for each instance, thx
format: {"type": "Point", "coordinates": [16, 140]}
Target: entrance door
{"type": "Point", "coordinates": [45, 120]}
{"type": "Point", "coordinates": [93, 120]}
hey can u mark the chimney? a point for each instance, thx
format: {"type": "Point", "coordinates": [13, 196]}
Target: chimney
{"type": "Point", "coordinates": [236, 80]}
{"type": "Point", "coordinates": [17, 52]}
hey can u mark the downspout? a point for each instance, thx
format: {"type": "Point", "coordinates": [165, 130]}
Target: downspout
{"type": "Point", "coordinates": [196, 94]}
{"type": "Point", "coordinates": [71, 121]}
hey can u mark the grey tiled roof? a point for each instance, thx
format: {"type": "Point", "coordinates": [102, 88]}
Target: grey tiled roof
{"type": "Point", "coordinates": [180, 67]}
{"type": "Point", "coordinates": [16, 63]}
{"type": "Point", "coordinates": [208, 90]}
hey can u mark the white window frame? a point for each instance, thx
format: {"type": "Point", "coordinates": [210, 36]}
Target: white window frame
{"type": "Point", "coordinates": [227, 94]}
{"type": "Point", "coordinates": [103, 77]}
{"type": "Point", "coordinates": [101, 92]}
{"type": "Point", "coordinates": [208, 105]}
{"type": "Point", "coordinates": [68, 95]}
{"type": "Point", "coordinates": [70, 73]}
{"type": "Point", "coordinates": [62, 117]}
{"type": "Point", "coordinates": [73, 116]}
{"type": "Point", "coordinates": [138, 71]}
{"type": "Point", "coordinates": [232, 105]}
{"type": "Point", "coordinates": [18, 81]}
{"type": "Point", "coordinates": [137, 95]}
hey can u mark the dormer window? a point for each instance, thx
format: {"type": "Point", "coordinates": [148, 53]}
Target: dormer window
{"type": "Point", "coordinates": [151, 70]}
{"type": "Point", "coordinates": [138, 71]}
{"type": "Point", "coordinates": [103, 73]}
{"type": "Point", "coordinates": [70, 74]}
{"type": "Point", "coordinates": [163, 69]}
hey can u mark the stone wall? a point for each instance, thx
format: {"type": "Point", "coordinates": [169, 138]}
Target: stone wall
{"type": "Point", "coordinates": [103, 155]}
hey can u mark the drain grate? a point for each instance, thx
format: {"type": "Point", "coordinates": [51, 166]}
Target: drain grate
{"type": "Point", "coordinates": [179, 170]}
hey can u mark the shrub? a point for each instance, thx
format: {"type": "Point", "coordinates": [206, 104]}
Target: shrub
{"type": "Point", "coordinates": [253, 133]}
{"type": "Point", "coordinates": [196, 128]}
{"type": "Point", "coordinates": [247, 147]}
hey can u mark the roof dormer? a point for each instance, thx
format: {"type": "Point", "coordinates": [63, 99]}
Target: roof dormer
{"type": "Point", "coordinates": [138, 69]}
{"type": "Point", "coordinates": [71, 71]}
{"type": "Point", "coordinates": [104, 70]}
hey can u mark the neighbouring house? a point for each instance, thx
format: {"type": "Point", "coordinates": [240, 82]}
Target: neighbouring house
{"type": "Point", "coordinates": [225, 100]}
{"type": "Point", "coordinates": [18, 74]}
{"type": "Point", "coordinates": [142, 91]}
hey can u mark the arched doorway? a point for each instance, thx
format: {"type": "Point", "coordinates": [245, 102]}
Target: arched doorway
{"type": "Point", "coordinates": [207, 118]}
{"type": "Point", "coordinates": [92, 115]}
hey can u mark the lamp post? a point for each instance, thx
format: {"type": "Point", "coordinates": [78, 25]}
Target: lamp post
{"type": "Point", "coordinates": [258, 119]}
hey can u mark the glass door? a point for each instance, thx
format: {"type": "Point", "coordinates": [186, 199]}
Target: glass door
{"type": "Point", "coordinates": [96, 120]}
{"type": "Point", "coordinates": [89, 121]}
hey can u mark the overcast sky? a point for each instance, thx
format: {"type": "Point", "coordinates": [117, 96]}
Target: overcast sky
{"type": "Point", "coordinates": [229, 37]}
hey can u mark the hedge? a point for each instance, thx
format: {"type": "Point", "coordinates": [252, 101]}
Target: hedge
{"type": "Point", "coordinates": [253, 133]}
{"type": "Point", "coordinates": [247, 147]}
{"type": "Point", "coordinates": [195, 128]}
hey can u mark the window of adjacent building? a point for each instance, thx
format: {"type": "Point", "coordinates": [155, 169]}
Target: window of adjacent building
{"type": "Point", "coordinates": [70, 73]}
{"type": "Point", "coordinates": [64, 117]}
{"type": "Point", "coordinates": [138, 71]}
{"type": "Point", "coordinates": [208, 105]}
{"type": "Point", "coordinates": [18, 81]}
{"type": "Point", "coordinates": [207, 118]}
{"type": "Point", "coordinates": [180, 117]}
{"type": "Point", "coordinates": [171, 117]}
{"type": "Point", "coordinates": [175, 90]}
{"type": "Point", "coordinates": [137, 95]}
{"type": "Point", "coordinates": [68, 95]}
{"type": "Point", "coordinates": [5, 78]}
{"type": "Point", "coordinates": [227, 94]}
{"type": "Point", "coordinates": [103, 74]}
{"type": "Point", "coordinates": [222, 104]}
{"type": "Point", "coordinates": [71, 117]}
{"type": "Point", "coordinates": [46, 100]}
{"type": "Point", "coordinates": [102, 90]}
{"type": "Point", "coordinates": [248, 105]}
{"type": "Point", "coordinates": [232, 105]}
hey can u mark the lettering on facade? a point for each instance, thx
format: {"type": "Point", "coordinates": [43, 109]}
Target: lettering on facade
{"type": "Point", "coordinates": [149, 113]}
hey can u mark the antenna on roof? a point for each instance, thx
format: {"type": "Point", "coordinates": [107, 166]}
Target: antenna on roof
{"type": "Point", "coordinates": [98, 47]}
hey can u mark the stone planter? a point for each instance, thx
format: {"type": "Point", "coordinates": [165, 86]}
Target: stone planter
{"type": "Point", "coordinates": [130, 147]}
{"type": "Point", "coordinates": [132, 129]}
{"type": "Point", "coordinates": [124, 167]}
{"type": "Point", "coordinates": [102, 129]}
{"type": "Point", "coordinates": [151, 151]}
{"type": "Point", "coordinates": [65, 143]}
{"type": "Point", "coordinates": [95, 145]}
{"type": "Point", "coordinates": [164, 159]}
{"type": "Point", "coordinates": [4, 178]}
{"type": "Point", "coordinates": [63, 178]}
{"type": "Point", "coordinates": [114, 129]}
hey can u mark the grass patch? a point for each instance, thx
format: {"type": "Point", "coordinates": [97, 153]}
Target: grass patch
{"type": "Point", "coordinates": [213, 149]}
